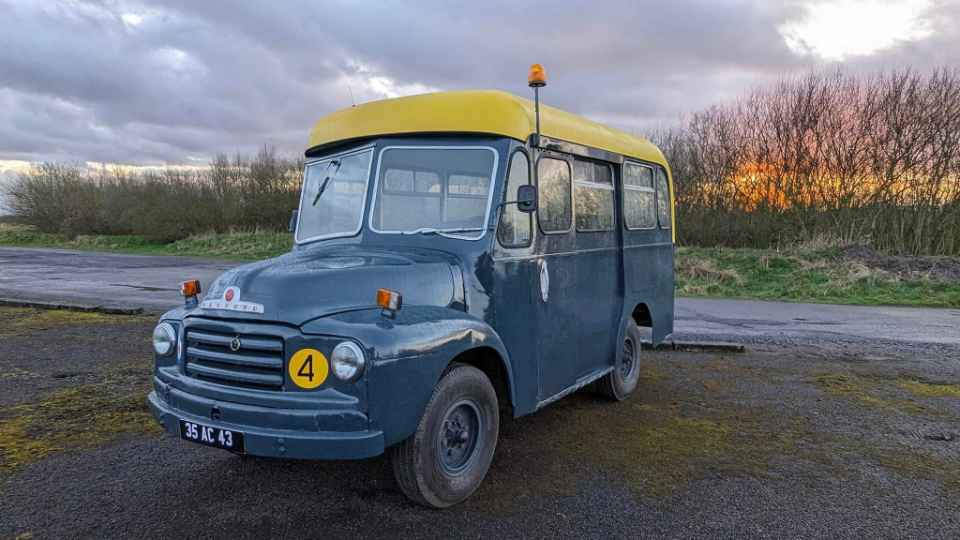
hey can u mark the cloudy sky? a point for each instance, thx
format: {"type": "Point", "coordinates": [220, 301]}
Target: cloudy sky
{"type": "Point", "coordinates": [176, 82]}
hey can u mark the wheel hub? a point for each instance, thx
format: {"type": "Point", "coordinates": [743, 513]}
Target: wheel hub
{"type": "Point", "coordinates": [458, 437]}
{"type": "Point", "coordinates": [627, 359]}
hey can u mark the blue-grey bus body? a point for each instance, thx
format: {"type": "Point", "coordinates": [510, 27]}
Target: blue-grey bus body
{"type": "Point", "coordinates": [541, 320]}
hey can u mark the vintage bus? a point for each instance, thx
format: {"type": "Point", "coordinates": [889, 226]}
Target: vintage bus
{"type": "Point", "coordinates": [458, 256]}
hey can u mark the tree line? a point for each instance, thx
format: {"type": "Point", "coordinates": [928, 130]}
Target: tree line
{"type": "Point", "coordinates": [852, 158]}
{"type": "Point", "coordinates": [243, 193]}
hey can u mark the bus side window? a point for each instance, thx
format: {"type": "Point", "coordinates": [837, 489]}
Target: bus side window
{"type": "Point", "coordinates": [663, 198]}
{"type": "Point", "coordinates": [514, 229]}
{"type": "Point", "coordinates": [593, 196]}
{"type": "Point", "coordinates": [553, 192]}
{"type": "Point", "coordinates": [639, 204]}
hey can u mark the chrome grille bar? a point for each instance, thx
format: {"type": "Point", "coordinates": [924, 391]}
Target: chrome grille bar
{"type": "Point", "coordinates": [245, 360]}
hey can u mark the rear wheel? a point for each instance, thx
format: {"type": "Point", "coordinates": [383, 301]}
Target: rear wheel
{"type": "Point", "coordinates": [622, 381]}
{"type": "Point", "coordinates": [444, 462]}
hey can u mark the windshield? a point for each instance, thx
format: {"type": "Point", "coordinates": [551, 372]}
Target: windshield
{"type": "Point", "coordinates": [334, 191]}
{"type": "Point", "coordinates": [436, 190]}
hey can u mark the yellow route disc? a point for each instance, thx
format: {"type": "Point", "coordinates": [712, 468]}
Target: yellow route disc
{"type": "Point", "coordinates": [308, 368]}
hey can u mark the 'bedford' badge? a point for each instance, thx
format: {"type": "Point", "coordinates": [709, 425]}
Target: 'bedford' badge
{"type": "Point", "coordinates": [231, 301]}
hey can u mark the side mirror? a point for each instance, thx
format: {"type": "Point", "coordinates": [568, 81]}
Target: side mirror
{"type": "Point", "coordinates": [292, 225]}
{"type": "Point", "coordinates": [527, 198]}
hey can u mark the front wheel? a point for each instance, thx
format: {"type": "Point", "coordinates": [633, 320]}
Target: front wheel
{"type": "Point", "coordinates": [444, 462]}
{"type": "Point", "coordinates": [622, 381]}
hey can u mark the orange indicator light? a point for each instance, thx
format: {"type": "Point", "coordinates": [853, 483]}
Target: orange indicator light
{"type": "Point", "coordinates": [190, 288]}
{"type": "Point", "coordinates": [389, 300]}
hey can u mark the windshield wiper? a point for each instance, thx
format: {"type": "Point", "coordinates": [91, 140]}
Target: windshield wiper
{"type": "Point", "coordinates": [441, 232]}
{"type": "Point", "coordinates": [323, 186]}
{"type": "Point", "coordinates": [421, 230]}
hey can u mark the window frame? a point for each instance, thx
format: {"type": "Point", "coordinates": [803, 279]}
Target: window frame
{"type": "Point", "coordinates": [506, 197]}
{"type": "Point", "coordinates": [484, 226]}
{"type": "Point", "coordinates": [626, 187]}
{"type": "Point", "coordinates": [573, 217]}
{"type": "Point", "coordinates": [363, 207]}
{"type": "Point", "coordinates": [666, 177]}
{"type": "Point", "coordinates": [594, 185]}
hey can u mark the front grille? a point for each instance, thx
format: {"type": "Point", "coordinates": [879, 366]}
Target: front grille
{"type": "Point", "coordinates": [257, 363]}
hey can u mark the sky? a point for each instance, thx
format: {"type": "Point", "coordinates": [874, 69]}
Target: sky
{"type": "Point", "coordinates": [178, 81]}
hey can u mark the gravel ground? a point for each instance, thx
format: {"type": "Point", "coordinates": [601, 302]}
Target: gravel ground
{"type": "Point", "coordinates": [840, 439]}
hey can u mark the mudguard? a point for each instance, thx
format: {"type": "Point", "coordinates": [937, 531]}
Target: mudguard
{"type": "Point", "coordinates": [406, 354]}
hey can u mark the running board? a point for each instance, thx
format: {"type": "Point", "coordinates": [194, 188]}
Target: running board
{"type": "Point", "coordinates": [696, 346]}
{"type": "Point", "coordinates": [581, 382]}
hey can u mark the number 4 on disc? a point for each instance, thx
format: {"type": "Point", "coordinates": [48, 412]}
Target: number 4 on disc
{"type": "Point", "coordinates": [308, 368]}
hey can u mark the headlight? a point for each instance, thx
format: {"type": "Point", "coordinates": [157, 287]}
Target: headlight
{"type": "Point", "coordinates": [164, 339]}
{"type": "Point", "coordinates": [347, 360]}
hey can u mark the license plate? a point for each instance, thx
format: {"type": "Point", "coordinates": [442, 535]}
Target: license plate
{"type": "Point", "coordinates": [211, 436]}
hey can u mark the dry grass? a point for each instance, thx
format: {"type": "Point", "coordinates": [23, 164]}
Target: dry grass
{"type": "Point", "coordinates": [702, 268]}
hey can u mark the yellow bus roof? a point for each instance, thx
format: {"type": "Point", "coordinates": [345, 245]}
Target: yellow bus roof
{"type": "Point", "coordinates": [474, 111]}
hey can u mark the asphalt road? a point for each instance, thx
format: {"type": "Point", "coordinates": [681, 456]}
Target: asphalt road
{"type": "Point", "coordinates": [101, 279]}
{"type": "Point", "coordinates": [152, 282]}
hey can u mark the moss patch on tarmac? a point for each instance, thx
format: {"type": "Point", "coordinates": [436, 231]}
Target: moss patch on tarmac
{"type": "Point", "coordinates": [659, 448]}
{"type": "Point", "coordinates": [919, 466]}
{"type": "Point", "coordinates": [870, 391]}
{"type": "Point", "coordinates": [658, 442]}
{"type": "Point", "coordinates": [915, 463]}
{"type": "Point", "coordinates": [76, 417]}
{"type": "Point", "coordinates": [689, 422]}
{"type": "Point", "coordinates": [930, 389]}
{"type": "Point", "coordinates": [16, 321]}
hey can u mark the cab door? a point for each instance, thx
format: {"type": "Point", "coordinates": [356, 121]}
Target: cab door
{"type": "Point", "coordinates": [516, 305]}
{"type": "Point", "coordinates": [559, 302]}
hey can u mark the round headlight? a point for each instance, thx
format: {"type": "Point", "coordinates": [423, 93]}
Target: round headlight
{"type": "Point", "coordinates": [347, 360]}
{"type": "Point", "coordinates": [164, 339]}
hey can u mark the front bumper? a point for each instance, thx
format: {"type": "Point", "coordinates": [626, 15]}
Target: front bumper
{"type": "Point", "coordinates": [283, 443]}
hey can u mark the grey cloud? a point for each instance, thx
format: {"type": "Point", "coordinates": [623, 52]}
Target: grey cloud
{"type": "Point", "coordinates": [197, 78]}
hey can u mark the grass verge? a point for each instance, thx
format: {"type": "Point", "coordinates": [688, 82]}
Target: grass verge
{"type": "Point", "coordinates": [236, 246]}
{"type": "Point", "coordinates": [830, 275]}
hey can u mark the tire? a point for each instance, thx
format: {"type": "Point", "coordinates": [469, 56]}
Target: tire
{"type": "Point", "coordinates": [622, 381]}
{"type": "Point", "coordinates": [449, 455]}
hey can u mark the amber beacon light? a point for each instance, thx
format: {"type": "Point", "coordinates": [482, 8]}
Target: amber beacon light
{"type": "Point", "coordinates": [537, 77]}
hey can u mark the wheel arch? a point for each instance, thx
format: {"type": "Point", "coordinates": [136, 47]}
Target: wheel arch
{"type": "Point", "coordinates": [641, 315]}
{"type": "Point", "coordinates": [489, 360]}
{"type": "Point", "coordinates": [656, 319]}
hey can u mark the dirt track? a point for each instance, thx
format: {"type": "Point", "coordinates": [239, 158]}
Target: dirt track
{"type": "Point", "coordinates": [795, 442]}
